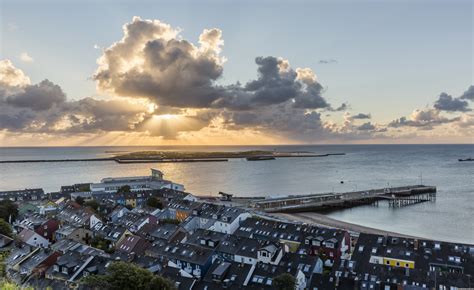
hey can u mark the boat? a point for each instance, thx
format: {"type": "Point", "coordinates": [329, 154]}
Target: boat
{"type": "Point", "coordinates": [260, 158]}
{"type": "Point", "coordinates": [466, 159]}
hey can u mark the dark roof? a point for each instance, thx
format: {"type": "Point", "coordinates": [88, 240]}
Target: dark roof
{"type": "Point", "coordinates": [454, 260]}
{"type": "Point", "coordinates": [264, 229]}
{"type": "Point", "coordinates": [227, 273]}
{"type": "Point", "coordinates": [201, 237]}
{"type": "Point", "coordinates": [184, 252]}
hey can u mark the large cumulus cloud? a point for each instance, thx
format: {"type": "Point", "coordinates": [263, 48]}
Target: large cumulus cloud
{"type": "Point", "coordinates": [153, 61]}
{"type": "Point", "coordinates": [431, 117]}
{"type": "Point", "coordinates": [44, 108]}
{"type": "Point", "coordinates": [163, 85]}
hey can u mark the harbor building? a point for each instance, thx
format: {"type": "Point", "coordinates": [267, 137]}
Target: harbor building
{"type": "Point", "coordinates": [136, 183]}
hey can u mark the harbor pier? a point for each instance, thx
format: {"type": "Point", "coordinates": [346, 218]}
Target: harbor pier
{"type": "Point", "coordinates": [396, 196]}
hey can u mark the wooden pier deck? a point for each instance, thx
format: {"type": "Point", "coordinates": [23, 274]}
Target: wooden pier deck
{"type": "Point", "coordinates": [396, 196]}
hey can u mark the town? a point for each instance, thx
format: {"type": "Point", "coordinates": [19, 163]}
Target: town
{"type": "Point", "coordinates": [163, 237]}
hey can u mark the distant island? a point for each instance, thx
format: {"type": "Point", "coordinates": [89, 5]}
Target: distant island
{"type": "Point", "coordinates": [186, 156]}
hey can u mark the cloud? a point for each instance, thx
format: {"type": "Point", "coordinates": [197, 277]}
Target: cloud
{"type": "Point", "coordinates": [38, 97]}
{"type": "Point", "coordinates": [366, 127]}
{"type": "Point", "coordinates": [361, 116]}
{"type": "Point", "coordinates": [327, 61]}
{"type": "Point", "coordinates": [25, 57]}
{"type": "Point", "coordinates": [469, 94]}
{"type": "Point", "coordinates": [422, 119]}
{"type": "Point", "coordinates": [10, 76]}
{"type": "Point", "coordinates": [446, 102]}
{"type": "Point", "coordinates": [43, 108]}
{"type": "Point", "coordinates": [429, 118]}
{"type": "Point", "coordinates": [153, 61]}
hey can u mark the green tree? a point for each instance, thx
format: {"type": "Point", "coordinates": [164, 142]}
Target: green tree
{"type": "Point", "coordinates": [101, 243]}
{"type": "Point", "coordinates": [92, 204]}
{"type": "Point", "coordinates": [284, 281]}
{"type": "Point", "coordinates": [154, 202]}
{"type": "Point", "coordinates": [123, 275]}
{"type": "Point", "coordinates": [124, 189]}
{"type": "Point", "coordinates": [5, 228]}
{"type": "Point", "coordinates": [158, 282]}
{"type": "Point", "coordinates": [8, 208]}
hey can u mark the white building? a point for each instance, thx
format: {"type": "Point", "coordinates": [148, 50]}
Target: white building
{"type": "Point", "coordinates": [136, 183]}
{"type": "Point", "coordinates": [31, 238]}
{"type": "Point", "coordinates": [228, 221]}
{"type": "Point", "coordinates": [270, 254]}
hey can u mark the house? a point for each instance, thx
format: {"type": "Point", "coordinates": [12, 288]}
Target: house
{"type": "Point", "coordinates": [270, 253]}
{"type": "Point", "coordinates": [76, 215]}
{"type": "Point", "coordinates": [22, 195]}
{"type": "Point", "coordinates": [117, 213]}
{"type": "Point", "coordinates": [165, 231]}
{"type": "Point", "coordinates": [27, 208]}
{"type": "Point", "coordinates": [64, 231]}
{"type": "Point", "coordinates": [194, 260]}
{"type": "Point", "coordinates": [81, 235]}
{"type": "Point", "coordinates": [302, 267]}
{"type": "Point", "coordinates": [48, 229]}
{"type": "Point", "coordinates": [205, 238]}
{"type": "Point", "coordinates": [37, 262]}
{"type": "Point", "coordinates": [69, 267]}
{"type": "Point", "coordinates": [239, 249]}
{"type": "Point", "coordinates": [29, 221]}
{"type": "Point", "coordinates": [132, 245]}
{"type": "Point", "coordinates": [216, 218]}
{"type": "Point", "coordinates": [181, 209]}
{"type": "Point", "coordinates": [403, 262]}
{"type": "Point", "coordinates": [224, 274]}
{"type": "Point", "coordinates": [32, 238]}
{"type": "Point", "coordinates": [329, 244]}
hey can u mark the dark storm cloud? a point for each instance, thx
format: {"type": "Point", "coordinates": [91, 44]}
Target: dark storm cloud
{"type": "Point", "coordinates": [361, 116]}
{"type": "Point", "coordinates": [366, 127]}
{"type": "Point", "coordinates": [276, 84]}
{"type": "Point", "coordinates": [43, 108]}
{"type": "Point", "coordinates": [469, 94]}
{"type": "Point", "coordinates": [38, 97]}
{"type": "Point", "coordinates": [446, 102]}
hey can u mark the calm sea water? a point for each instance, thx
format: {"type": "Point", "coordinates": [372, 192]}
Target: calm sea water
{"type": "Point", "coordinates": [451, 217]}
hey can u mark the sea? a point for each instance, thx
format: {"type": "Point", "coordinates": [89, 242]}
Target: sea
{"type": "Point", "coordinates": [450, 217]}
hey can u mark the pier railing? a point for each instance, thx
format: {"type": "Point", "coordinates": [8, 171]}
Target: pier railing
{"type": "Point", "coordinates": [397, 196]}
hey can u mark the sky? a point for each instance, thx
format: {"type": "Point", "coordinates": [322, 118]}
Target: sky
{"type": "Point", "coordinates": [235, 72]}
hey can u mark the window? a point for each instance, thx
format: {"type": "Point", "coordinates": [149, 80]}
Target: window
{"type": "Point", "coordinates": [387, 262]}
{"type": "Point", "coordinates": [398, 264]}
{"type": "Point", "coordinates": [407, 265]}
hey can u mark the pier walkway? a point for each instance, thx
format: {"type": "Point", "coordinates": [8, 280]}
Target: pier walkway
{"type": "Point", "coordinates": [397, 197]}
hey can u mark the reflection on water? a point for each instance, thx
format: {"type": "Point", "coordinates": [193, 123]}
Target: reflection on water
{"type": "Point", "coordinates": [364, 167]}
